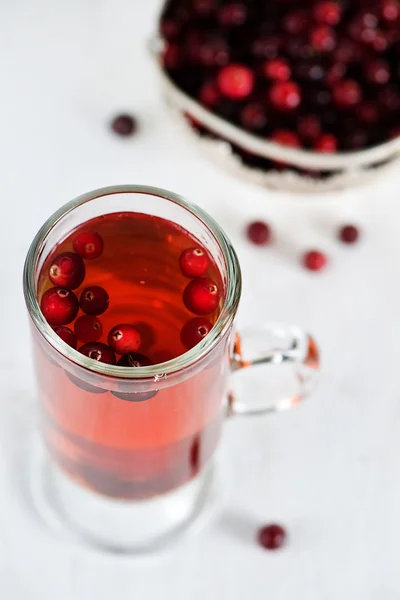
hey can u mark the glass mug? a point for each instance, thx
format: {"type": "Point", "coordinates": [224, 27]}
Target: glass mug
{"type": "Point", "coordinates": [129, 475]}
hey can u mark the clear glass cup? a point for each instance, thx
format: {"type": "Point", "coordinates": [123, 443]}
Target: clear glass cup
{"type": "Point", "coordinates": [130, 451]}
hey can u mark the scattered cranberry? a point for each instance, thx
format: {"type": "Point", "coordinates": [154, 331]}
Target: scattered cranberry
{"type": "Point", "coordinates": [213, 52]}
{"type": "Point", "coordinates": [236, 81]}
{"type": "Point", "coordinates": [326, 143]}
{"type": "Point", "coordinates": [336, 72]}
{"type": "Point", "coordinates": [94, 300]}
{"type": "Point", "coordinates": [194, 331]}
{"type": "Point", "coordinates": [327, 12]}
{"type": "Point", "coordinates": [134, 360]}
{"type": "Point", "coordinates": [59, 306]}
{"type": "Point", "coordinates": [309, 127]}
{"type": "Point", "coordinates": [253, 116]}
{"type": "Point", "coordinates": [88, 244]}
{"type": "Point", "coordinates": [124, 338]}
{"type": "Point", "coordinates": [347, 93]}
{"type": "Point", "coordinates": [348, 234]}
{"type": "Point", "coordinates": [286, 138]}
{"type": "Point", "coordinates": [98, 351]}
{"type": "Point", "coordinates": [232, 14]}
{"type": "Point", "coordinates": [124, 125]}
{"type": "Point", "coordinates": [271, 537]}
{"type": "Point", "coordinates": [323, 38]}
{"type": "Point", "coordinates": [295, 22]}
{"type": "Point", "coordinates": [259, 233]}
{"type": "Point", "coordinates": [209, 94]}
{"type": "Point", "coordinates": [285, 95]}
{"type": "Point", "coordinates": [277, 68]}
{"type": "Point", "coordinates": [194, 262]}
{"type": "Point", "coordinates": [314, 260]}
{"type": "Point", "coordinates": [201, 296]}
{"type": "Point", "coordinates": [88, 328]}
{"type": "Point", "coordinates": [67, 270]}
{"type": "Point", "coordinates": [377, 71]}
{"type": "Point", "coordinates": [380, 42]}
{"type": "Point", "coordinates": [391, 10]}
{"type": "Point", "coordinates": [67, 336]}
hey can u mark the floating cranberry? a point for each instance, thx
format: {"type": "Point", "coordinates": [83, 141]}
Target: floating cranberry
{"type": "Point", "coordinates": [236, 81]}
{"type": "Point", "coordinates": [347, 93]}
{"type": "Point", "coordinates": [271, 537]}
{"type": "Point", "coordinates": [285, 95]}
{"type": "Point", "coordinates": [124, 125]}
{"type": "Point", "coordinates": [380, 41]}
{"type": "Point", "coordinates": [323, 38]}
{"type": "Point", "coordinates": [124, 338]}
{"type": "Point", "coordinates": [67, 336]}
{"type": "Point", "coordinates": [309, 127]}
{"type": "Point", "coordinates": [314, 260]}
{"type": "Point", "coordinates": [194, 262]}
{"type": "Point", "coordinates": [336, 72]}
{"type": "Point", "coordinates": [277, 68]}
{"type": "Point", "coordinates": [253, 116]}
{"type": "Point", "coordinates": [377, 71]}
{"type": "Point", "coordinates": [98, 351]}
{"type": "Point", "coordinates": [391, 11]}
{"type": "Point", "coordinates": [134, 360]}
{"type": "Point", "coordinates": [232, 14]}
{"type": "Point", "coordinates": [326, 143]}
{"type": "Point", "coordinates": [67, 270]}
{"type": "Point", "coordinates": [94, 300]}
{"type": "Point", "coordinates": [259, 233]}
{"type": "Point", "coordinates": [59, 306]}
{"type": "Point", "coordinates": [88, 244]}
{"type": "Point", "coordinates": [348, 234]}
{"type": "Point", "coordinates": [327, 12]}
{"type": "Point", "coordinates": [88, 328]}
{"type": "Point", "coordinates": [286, 138]}
{"type": "Point", "coordinates": [201, 296]}
{"type": "Point", "coordinates": [194, 331]}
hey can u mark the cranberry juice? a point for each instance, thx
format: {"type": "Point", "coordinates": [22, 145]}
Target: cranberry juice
{"type": "Point", "coordinates": [133, 290]}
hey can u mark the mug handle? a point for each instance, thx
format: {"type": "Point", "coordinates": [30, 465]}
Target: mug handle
{"type": "Point", "coordinates": [274, 344]}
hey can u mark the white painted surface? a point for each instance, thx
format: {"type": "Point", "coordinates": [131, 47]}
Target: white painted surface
{"type": "Point", "coordinates": [329, 470]}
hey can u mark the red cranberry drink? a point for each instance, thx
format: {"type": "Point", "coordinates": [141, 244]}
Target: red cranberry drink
{"type": "Point", "coordinates": [133, 290]}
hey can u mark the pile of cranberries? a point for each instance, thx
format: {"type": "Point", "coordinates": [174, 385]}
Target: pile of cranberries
{"type": "Point", "coordinates": [60, 305]}
{"type": "Point", "coordinates": [317, 74]}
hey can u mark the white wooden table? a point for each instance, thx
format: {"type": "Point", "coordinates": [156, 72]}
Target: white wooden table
{"type": "Point", "coordinates": [329, 470]}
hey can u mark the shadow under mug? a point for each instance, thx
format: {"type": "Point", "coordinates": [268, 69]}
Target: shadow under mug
{"type": "Point", "coordinates": [131, 450]}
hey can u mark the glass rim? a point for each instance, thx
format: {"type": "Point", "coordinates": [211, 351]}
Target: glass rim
{"type": "Point", "coordinates": [224, 321]}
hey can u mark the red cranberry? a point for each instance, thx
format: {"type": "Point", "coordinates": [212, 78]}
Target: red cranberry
{"type": "Point", "coordinates": [171, 57]}
{"type": "Point", "coordinates": [134, 360]}
{"type": "Point", "coordinates": [88, 244]}
{"type": "Point", "coordinates": [201, 296]}
{"type": "Point", "coordinates": [232, 14]}
{"type": "Point", "coordinates": [347, 51]}
{"type": "Point", "coordinates": [98, 351]}
{"type": "Point", "coordinates": [59, 306]}
{"type": "Point", "coordinates": [88, 328]}
{"type": "Point", "coordinates": [391, 10]}
{"type": "Point", "coordinates": [194, 331]}
{"type": "Point", "coordinates": [236, 81]}
{"type": "Point", "coordinates": [67, 336]}
{"type": "Point", "coordinates": [285, 95]}
{"type": "Point", "coordinates": [348, 234]}
{"type": "Point", "coordinates": [347, 93]}
{"type": "Point", "coordinates": [310, 70]}
{"type": "Point", "coordinates": [336, 72]}
{"type": "Point", "coordinates": [380, 41]}
{"type": "Point", "coordinates": [94, 300]}
{"type": "Point", "coordinates": [389, 98]}
{"type": "Point", "coordinates": [309, 127]}
{"type": "Point", "coordinates": [377, 71]}
{"type": "Point", "coordinates": [286, 138]}
{"type": "Point", "coordinates": [314, 260]}
{"type": "Point", "coordinates": [124, 338]}
{"type": "Point", "coordinates": [295, 22]}
{"type": "Point", "coordinates": [368, 113]}
{"type": "Point", "coordinates": [170, 29]}
{"type": "Point", "coordinates": [326, 143]}
{"type": "Point", "coordinates": [214, 52]}
{"type": "Point", "coordinates": [67, 270]}
{"type": "Point", "coordinates": [327, 12]}
{"type": "Point", "coordinates": [194, 262]}
{"type": "Point", "coordinates": [259, 233]}
{"type": "Point", "coordinates": [204, 8]}
{"type": "Point", "coordinates": [209, 94]}
{"type": "Point", "coordinates": [298, 49]}
{"type": "Point", "coordinates": [271, 537]}
{"type": "Point", "coordinates": [277, 68]}
{"type": "Point", "coordinates": [323, 38]}
{"type": "Point", "coordinates": [124, 125]}
{"type": "Point", "coordinates": [253, 116]}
